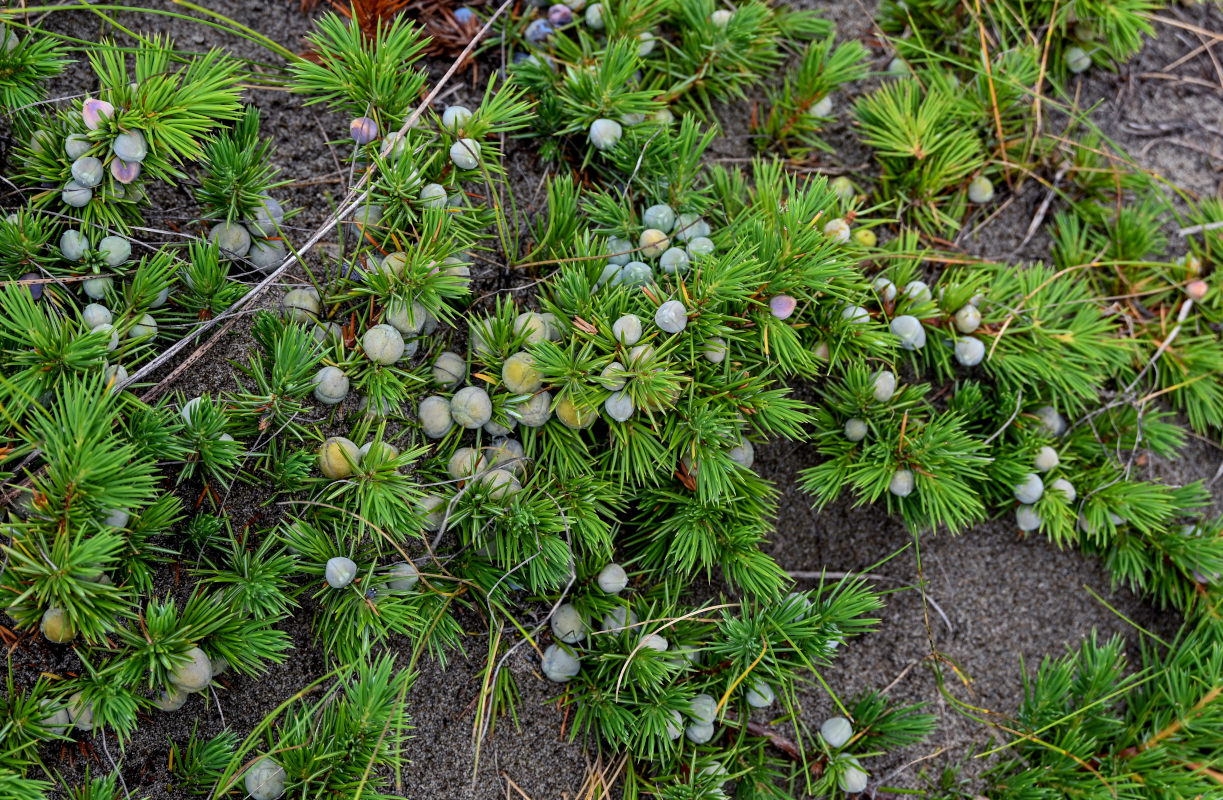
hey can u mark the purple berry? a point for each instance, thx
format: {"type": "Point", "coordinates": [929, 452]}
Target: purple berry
{"type": "Point", "coordinates": [94, 111]}
{"type": "Point", "coordinates": [782, 306]}
{"type": "Point", "coordinates": [363, 130]}
{"type": "Point", "coordinates": [538, 31]}
{"type": "Point", "coordinates": [124, 171]}
{"type": "Point", "coordinates": [463, 15]}
{"type": "Point", "coordinates": [35, 289]}
{"type": "Point", "coordinates": [560, 15]}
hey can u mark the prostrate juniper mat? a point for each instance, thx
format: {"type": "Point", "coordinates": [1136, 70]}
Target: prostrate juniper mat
{"type": "Point", "coordinates": [436, 454]}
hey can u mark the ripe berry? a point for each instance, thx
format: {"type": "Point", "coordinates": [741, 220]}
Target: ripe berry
{"type": "Point", "coordinates": [124, 171]}
{"type": "Point", "coordinates": [93, 112]}
{"type": "Point", "coordinates": [363, 130]}
{"type": "Point", "coordinates": [653, 243]}
{"type": "Point", "coordinates": [782, 306]}
{"type": "Point", "coordinates": [519, 375]}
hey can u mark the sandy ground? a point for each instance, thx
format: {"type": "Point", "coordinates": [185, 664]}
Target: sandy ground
{"type": "Point", "coordinates": [993, 603]}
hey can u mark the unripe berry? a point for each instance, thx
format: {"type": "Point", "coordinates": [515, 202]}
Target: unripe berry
{"type": "Point", "coordinates": [969, 351]}
{"type": "Point", "coordinates": [559, 665]}
{"type": "Point", "coordinates": [195, 674]}
{"type": "Point", "coordinates": [519, 375]}
{"type": "Point", "coordinates": [130, 146]}
{"type": "Point", "coordinates": [884, 385]}
{"type": "Point", "coordinates": [337, 457]}
{"type": "Point", "coordinates": [1076, 60]}
{"type": "Point", "coordinates": [330, 386]}
{"type": "Point", "coordinates": [87, 171]}
{"type": "Point", "coordinates": [471, 407]}
{"type": "Point", "coordinates": [837, 230]}
{"type": "Point", "coordinates": [836, 732]}
{"type": "Point", "coordinates": [689, 227]}
{"type": "Point", "coordinates": [1065, 487]}
{"type": "Point", "coordinates": [715, 350]}
{"type": "Point", "coordinates": [910, 332]}
{"type": "Point", "coordinates": [653, 243]}
{"type": "Point", "coordinates": [466, 462]}
{"type": "Point", "coordinates": [902, 483]}
{"type": "Point", "coordinates": [967, 319]}
{"type": "Point", "coordinates": [671, 317]}
{"type": "Point", "coordinates": [980, 190]}
{"type": "Point", "coordinates": [465, 154]}
{"type": "Point", "coordinates": [605, 133]}
{"type": "Point", "coordinates": [535, 412]}
{"type": "Point", "coordinates": [1026, 518]}
{"type": "Point", "coordinates": [567, 624]}
{"type": "Point", "coordinates": [455, 117]}
{"type": "Point", "coordinates": [855, 430]}
{"type": "Point", "coordinates": [613, 579]}
{"type": "Point", "coordinates": [383, 344]}
{"type": "Point", "coordinates": [1052, 423]}
{"type": "Point", "coordinates": [1030, 489]}
{"type": "Point", "coordinates": [1046, 459]}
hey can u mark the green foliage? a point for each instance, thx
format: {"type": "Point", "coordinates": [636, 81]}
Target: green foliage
{"type": "Point", "coordinates": [1090, 727]}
